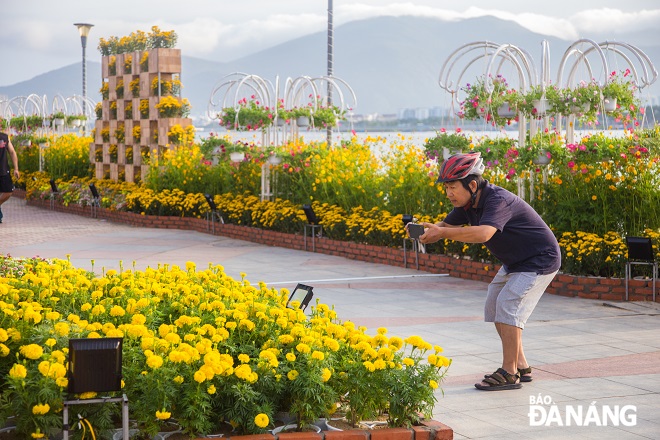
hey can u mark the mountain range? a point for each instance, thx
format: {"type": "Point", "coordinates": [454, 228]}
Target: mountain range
{"type": "Point", "coordinates": [391, 63]}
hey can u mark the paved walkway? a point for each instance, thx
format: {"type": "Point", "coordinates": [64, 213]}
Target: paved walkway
{"type": "Point", "coordinates": [588, 355]}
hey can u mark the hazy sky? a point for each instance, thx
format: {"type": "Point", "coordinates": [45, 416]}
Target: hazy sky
{"type": "Point", "coordinates": [37, 36]}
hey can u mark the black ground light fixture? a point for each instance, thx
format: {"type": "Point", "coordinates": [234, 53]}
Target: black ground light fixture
{"type": "Point", "coordinates": [302, 294]}
{"type": "Point", "coordinates": [312, 219]}
{"type": "Point", "coordinates": [407, 218]}
{"type": "Point", "coordinates": [214, 215]}
{"type": "Point", "coordinates": [640, 249]}
{"type": "Point", "coordinates": [95, 364]}
{"type": "Point", "coordinates": [640, 252]}
{"type": "Point", "coordinates": [211, 202]}
{"type": "Point", "coordinates": [53, 192]}
{"type": "Point", "coordinates": [94, 190]}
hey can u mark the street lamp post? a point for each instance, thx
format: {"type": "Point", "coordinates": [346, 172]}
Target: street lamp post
{"type": "Point", "coordinates": [331, 43]}
{"type": "Point", "coordinates": [83, 29]}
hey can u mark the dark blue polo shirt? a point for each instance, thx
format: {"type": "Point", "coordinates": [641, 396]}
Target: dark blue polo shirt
{"type": "Point", "coordinates": [522, 242]}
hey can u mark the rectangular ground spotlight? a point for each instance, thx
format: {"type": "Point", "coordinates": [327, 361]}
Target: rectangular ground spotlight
{"type": "Point", "coordinates": [95, 365]}
{"type": "Point", "coordinates": [310, 214]}
{"type": "Point", "coordinates": [302, 294]}
{"type": "Point", "coordinates": [640, 249]}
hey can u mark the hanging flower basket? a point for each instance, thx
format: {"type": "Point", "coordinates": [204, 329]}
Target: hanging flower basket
{"type": "Point", "coordinates": [541, 106]}
{"type": "Point", "coordinates": [506, 111]}
{"type": "Point", "coordinates": [609, 104]}
{"type": "Point", "coordinates": [274, 160]}
{"type": "Point", "coordinates": [58, 122]}
{"type": "Point", "coordinates": [542, 158]}
{"type": "Point", "coordinates": [237, 156]}
{"type": "Point", "coordinates": [302, 121]}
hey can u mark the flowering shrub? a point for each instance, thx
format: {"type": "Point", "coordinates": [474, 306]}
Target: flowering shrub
{"type": "Point", "coordinates": [598, 185]}
{"type": "Point", "coordinates": [199, 347]}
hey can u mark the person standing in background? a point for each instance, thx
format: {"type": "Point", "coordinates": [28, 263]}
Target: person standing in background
{"type": "Point", "coordinates": [6, 184]}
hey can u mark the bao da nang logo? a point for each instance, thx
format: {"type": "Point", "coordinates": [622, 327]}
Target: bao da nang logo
{"type": "Point", "coordinates": [543, 411]}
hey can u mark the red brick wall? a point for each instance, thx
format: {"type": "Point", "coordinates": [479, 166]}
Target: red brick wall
{"type": "Point", "coordinates": [609, 289]}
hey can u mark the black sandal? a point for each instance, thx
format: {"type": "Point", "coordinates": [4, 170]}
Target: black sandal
{"type": "Point", "coordinates": [522, 372]}
{"type": "Point", "coordinates": [499, 381]}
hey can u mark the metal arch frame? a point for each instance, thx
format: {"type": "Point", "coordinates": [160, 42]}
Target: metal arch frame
{"type": "Point", "coordinates": [614, 47]}
{"type": "Point", "coordinates": [494, 51]}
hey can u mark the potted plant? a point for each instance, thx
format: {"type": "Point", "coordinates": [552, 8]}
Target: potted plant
{"type": "Point", "coordinates": [301, 115]}
{"type": "Point", "coordinates": [247, 115]}
{"type": "Point", "coordinates": [327, 116]}
{"type": "Point", "coordinates": [584, 99]}
{"type": "Point", "coordinates": [172, 107]}
{"type": "Point", "coordinates": [76, 120]}
{"type": "Point", "coordinates": [58, 118]}
{"type": "Point", "coordinates": [619, 94]}
{"type": "Point", "coordinates": [445, 144]}
{"type": "Point", "coordinates": [535, 102]}
{"type": "Point", "coordinates": [490, 98]}
{"type": "Point", "coordinates": [237, 151]}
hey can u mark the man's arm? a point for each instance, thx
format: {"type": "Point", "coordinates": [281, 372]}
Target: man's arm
{"type": "Point", "coordinates": [14, 159]}
{"type": "Point", "coordinates": [467, 234]}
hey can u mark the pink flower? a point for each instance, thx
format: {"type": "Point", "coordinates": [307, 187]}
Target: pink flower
{"type": "Point", "coordinates": [571, 164]}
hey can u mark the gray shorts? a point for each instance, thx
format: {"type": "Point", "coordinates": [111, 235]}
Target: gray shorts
{"type": "Point", "coordinates": [513, 296]}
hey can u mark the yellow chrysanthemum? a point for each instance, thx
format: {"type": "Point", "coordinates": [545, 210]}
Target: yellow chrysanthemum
{"type": "Point", "coordinates": [163, 415]}
{"type": "Point", "coordinates": [261, 420]}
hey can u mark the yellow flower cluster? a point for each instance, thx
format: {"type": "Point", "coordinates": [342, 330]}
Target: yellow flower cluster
{"type": "Point", "coordinates": [183, 328]}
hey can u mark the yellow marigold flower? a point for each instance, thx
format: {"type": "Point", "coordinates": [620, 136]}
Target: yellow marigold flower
{"type": "Point", "coordinates": [438, 349]}
{"type": "Point", "coordinates": [381, 330]}
{"type": "Point", "coordinates": [318, 355]}
{"type": "Point", "coordinates": [138, 319]}
{"type": "Point", "coordinates": [444, 361]}
{"type": "Point", "coordinates": [4, 350]}
{"type": "Point", "coordinates": [155, 362]}
{"type": "Point", "coordinates": [211, 389]}
{"type": "Point", "coordinates": [244, 358]}
{"type": "Point", "coordinates": [326, 375]}
{"type": "Point", "coordinates": [243, 372]}
{"type": "Point", "coordinates": [163, 415]}
{"type": "Point", "coordinates": [178, 379]}
{"type": "Point", "coordinates": [3, 335]}
{"type": "Point", "coordinates": [433, 384]}
{"type": "Point", "coordinates": [31, 351]}
{"type": "Point", "coordinates": [395, 342]}
{"type": "Point", "coordinates": [290, 357]}
{"type": "Point", "coordinates": [44, 368]}
{"type": "Point", "coordinates": [408, 362]}
{"type": "Point", "coordinates": [369, 366]}
{"type": "Point", "coordinates": [40, 409]}
{"type": "Point", "coordinates": [303, 348]}
{"type": "Point", "coordinates": [18, 371]}
{"type": "Point", "coordinates": [261, 420]}
{"type": "Point", "coordinates": [87, 395]}
{"type": "Point", "coordinates": [61, 329]}
{"type": "Point", "coordinates": [199, 376]}
{"type": "Point", "coordinates": [50, 342]}
{"type": "Point", "coordinates": [37, 434]}
{"type": "Point", "coordinates": [62, 382]}
{"type": "Point", "coordinates": [292, 375]}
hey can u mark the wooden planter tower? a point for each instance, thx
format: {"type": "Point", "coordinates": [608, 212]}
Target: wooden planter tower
{"type": "Point", "coordinates": [116, 157]}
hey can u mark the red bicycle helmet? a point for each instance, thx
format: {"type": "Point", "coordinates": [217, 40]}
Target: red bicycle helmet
{"type": "Point", "coordinates": [461, 165]}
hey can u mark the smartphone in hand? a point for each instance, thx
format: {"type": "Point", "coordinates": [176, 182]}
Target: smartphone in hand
{"type": "Point", "coordinates": [415, 230]}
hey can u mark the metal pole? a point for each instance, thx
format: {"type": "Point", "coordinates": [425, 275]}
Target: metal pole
{"type": "Point", "coordinates": [83, 29]}
{"type": "Point", "coordinates": [330, 66]}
